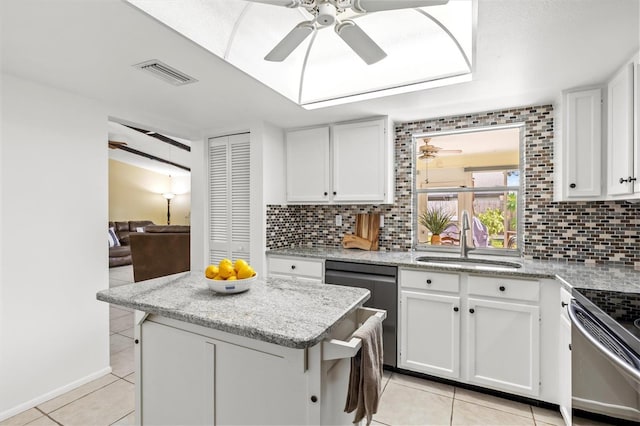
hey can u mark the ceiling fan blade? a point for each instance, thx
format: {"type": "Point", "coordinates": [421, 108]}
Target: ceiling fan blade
{"type": "Point", "coordinates": [285, 3]}
{"type": "Point", "coordinates": [360, 42]}
{"type": "Point", "coordinates": [363, 6]}
{"type": "Point", "coordinates": [289, 43]}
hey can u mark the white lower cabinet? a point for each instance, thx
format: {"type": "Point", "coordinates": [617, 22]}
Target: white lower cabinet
{"type": "Point", "coordinates": [192, 383]}
{"type": "Point", "coordinates": [430, 333]}
{"type": "Point", "coordinates": [564, 358]}
{"type": "Point", "coordinates": [298, 267]}
{"type": "Point", "coordinates": [503, 345]}
{"type": "Point", "coordinates": [187, 374]}
{"type": "Point", "coordinates": [476, 329]}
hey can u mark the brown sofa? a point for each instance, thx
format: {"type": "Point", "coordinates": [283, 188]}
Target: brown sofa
{"type": "Point", "coordinates": [161, 250]}
{"type": "Point", "coordinates": [121, 255]}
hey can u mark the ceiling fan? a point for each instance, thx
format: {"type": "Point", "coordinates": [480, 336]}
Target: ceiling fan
{"type": "Point", "coordinates": [327, 12]}
{"type": "Point", "coordinates": [428, 151]}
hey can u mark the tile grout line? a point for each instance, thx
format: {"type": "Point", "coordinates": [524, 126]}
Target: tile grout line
{"type": "Point", "coordinates": [533, 415]}
{"type": "Point", "coordinates": [499, 409]}
{"type": "Point", "coordinates": [453, 402]}
{"type": "Point", "coordinates": [121, 418]}
{"type": "Point", "coordinates": [421, 389]}
{"type": "Point", "coordinates": [80, 397]}
{"type": "Point", "coordinates": [47, 416]}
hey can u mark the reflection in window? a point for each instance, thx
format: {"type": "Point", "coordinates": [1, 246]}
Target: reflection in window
{"type": "Point", "coordinates": [478, 172]}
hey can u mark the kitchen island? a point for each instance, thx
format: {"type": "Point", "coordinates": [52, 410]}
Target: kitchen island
{"type": "Point", "coordinates": [276, 354]}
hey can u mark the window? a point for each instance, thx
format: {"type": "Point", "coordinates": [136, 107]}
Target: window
{"type": "Point", "coordinates": [476, 171]}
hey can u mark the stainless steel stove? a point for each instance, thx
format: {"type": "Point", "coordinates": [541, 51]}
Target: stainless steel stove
{"type": "Point", "coordinates": [605, 353]}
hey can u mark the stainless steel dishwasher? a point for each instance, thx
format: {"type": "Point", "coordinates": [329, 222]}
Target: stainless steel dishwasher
{"type": "Point", "coordinates": [381, 281]}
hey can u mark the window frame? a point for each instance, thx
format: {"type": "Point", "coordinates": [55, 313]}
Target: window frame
{"type": "Point", "coordinates": [520, 197]}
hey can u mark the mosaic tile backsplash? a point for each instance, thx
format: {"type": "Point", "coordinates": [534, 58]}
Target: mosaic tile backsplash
{"type": "Point", "coordinates": [594, 232]}
{"type": "Point", "coordinates": [619, 305]}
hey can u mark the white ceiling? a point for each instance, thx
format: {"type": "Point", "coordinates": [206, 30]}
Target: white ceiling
{"type": "Point", "coordinates": [527, 51]}
{"type": "Point", "coordinates": [149, 145]}
{"type": "Point", "coordinates": [243, 33]}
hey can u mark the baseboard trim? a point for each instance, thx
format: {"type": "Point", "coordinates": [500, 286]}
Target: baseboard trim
{"type": "Point", "coordinates": [54, 393]}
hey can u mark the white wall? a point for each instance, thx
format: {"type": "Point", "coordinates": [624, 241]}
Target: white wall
{"type": "Point", "coordinates": [273, 156]}
{"type": "Point", "coordinates": [199, 201]}
{"type": "Point", "coordinates": [267, 185]}
{"type": "Point", "coordinates": [53, 251]}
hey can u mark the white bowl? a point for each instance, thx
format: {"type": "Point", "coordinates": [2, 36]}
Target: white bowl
{"type": "Point", "coordinates": [234, 286]}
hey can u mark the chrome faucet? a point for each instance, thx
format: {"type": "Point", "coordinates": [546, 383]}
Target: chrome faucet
{"type": "Point", "coordinates": [464, 249]}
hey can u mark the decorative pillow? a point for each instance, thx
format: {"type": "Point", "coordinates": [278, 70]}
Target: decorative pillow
{"type": "Point", "coordinates": [113, 238]}
{"type": "Point", "coordinates": [140, 229]}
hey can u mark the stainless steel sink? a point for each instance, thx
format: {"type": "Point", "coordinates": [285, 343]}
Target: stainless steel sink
{"type": "Point", "coordinates": [469, 262]}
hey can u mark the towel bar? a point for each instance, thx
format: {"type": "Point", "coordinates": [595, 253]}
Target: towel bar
{"type": "Point", "coordinates": [338, 349]}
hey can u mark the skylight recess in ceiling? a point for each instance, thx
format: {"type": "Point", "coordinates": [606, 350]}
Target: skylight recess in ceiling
{"type": "Point", "coordinates": [426, 47]}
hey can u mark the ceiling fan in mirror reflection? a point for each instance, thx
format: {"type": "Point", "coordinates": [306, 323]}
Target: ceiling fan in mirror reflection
{"type": "Point", "coordinates": [428, 152]}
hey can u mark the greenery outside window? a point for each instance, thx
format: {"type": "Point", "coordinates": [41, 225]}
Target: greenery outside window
{"type": "Point", "coordinates": [478, 171]}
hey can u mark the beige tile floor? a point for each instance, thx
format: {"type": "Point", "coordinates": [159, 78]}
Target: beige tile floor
{"type": "Point", "coordinates": [405, 400]}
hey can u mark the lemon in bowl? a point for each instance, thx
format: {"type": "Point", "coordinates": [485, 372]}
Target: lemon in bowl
{"type": "Point", "coordinates": [230, 277]}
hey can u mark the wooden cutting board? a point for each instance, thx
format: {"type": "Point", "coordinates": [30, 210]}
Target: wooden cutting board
{"type": "Point", "coordinates": [367, 230]}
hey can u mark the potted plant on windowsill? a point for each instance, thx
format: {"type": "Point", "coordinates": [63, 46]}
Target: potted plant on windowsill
{"type": "Point", "coordinates": [435, 219]}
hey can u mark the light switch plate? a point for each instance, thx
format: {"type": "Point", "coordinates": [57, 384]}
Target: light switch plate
{"type": "Point", "coordinates": [338, 220]}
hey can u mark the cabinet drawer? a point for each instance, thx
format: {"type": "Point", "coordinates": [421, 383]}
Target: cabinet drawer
{"type": "Point", "coordinates": [504, 287]}
{"type": "Point", "coordinates": [296, 266]}
{"type": "Point", "coordinates": [428, 280]}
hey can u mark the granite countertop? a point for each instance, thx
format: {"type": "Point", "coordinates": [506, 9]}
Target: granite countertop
{"type": "Point", "coordinates": [288, 312]}
{"type": "Point", "coordinates": [573, 275]}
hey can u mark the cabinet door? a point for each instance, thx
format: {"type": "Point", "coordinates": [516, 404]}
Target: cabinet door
{"type": "Point", "coordinates": [636, 126]}
{"type": "Point", "coordinates": [307, 153]}
{"type": "Point", "coordinates": [229, 197]}
{"type": "Point", "coordinates": [564, 370]}
{"type": "Point", "coordinates": [359, 160]}
{"type": "Point", "coordinates": [504, 345]}
{"type": "Point", "coordinates": [620, 133]}
{"type": "Point", "coordinates": [430, 333]}
{"type": "Point", "coordinates": [178, 366]}
{"type": "Point", "coordinates": [583, 143]}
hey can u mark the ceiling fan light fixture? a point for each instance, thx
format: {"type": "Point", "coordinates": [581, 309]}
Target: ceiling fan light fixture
{"type": "Point", "coordinates": [289, 43]}
{"type": "Point", "coordinates": [360, 42]}
{"type": "Point", "coordinates": [326, 14]}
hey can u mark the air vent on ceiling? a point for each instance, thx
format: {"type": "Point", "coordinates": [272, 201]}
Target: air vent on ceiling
{"type": "Point", "coordinates": [165, 72]}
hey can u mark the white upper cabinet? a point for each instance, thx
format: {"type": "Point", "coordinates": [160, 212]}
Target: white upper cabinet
{"type": "Point", "coordinates": [636, 127]}
{"type": "Point", "coordinates": [340, 163]}
{"type": "Point", "coordinates": [359, 162]}
{"type": "Point", "coordinates": [599, 164]}
{"type": "Point", "coordinates": [582, 155]}
{"type": "Point", "coordinates": [308, 177]}
{"type": "Point", "coordinates": [620, 173]}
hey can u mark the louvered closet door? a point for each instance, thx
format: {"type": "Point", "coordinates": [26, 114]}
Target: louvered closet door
{"type": "Point", "coordinates": [229, 198]}
{"type": "Point", "coordinates": [239, 196]}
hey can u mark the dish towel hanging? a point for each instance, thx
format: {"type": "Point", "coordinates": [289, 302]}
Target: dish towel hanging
{"type": "Point", "coordinates": [365, 378]}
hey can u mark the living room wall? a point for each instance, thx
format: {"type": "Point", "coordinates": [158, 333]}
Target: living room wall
{"type": "Point", "coordinates": [135, 194]}
{"type": "Point", "coordinates": [54, 334]}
